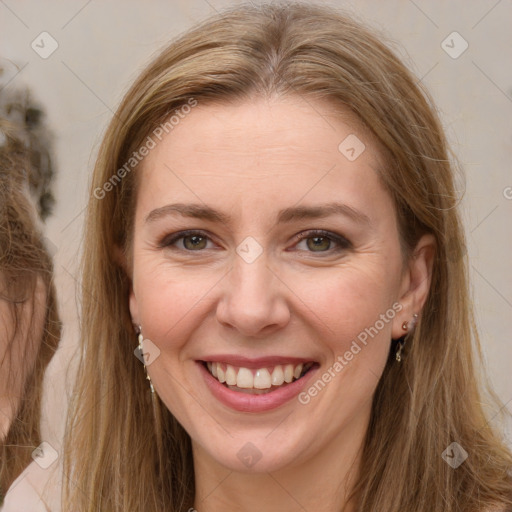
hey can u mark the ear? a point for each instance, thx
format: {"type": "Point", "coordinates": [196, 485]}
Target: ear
{"type": "Point", "coordinates": [122, 260]}
{"type": "Point", "coordinates": [415, 283]}
{"type": "Point", "coordinates": [134, 307]}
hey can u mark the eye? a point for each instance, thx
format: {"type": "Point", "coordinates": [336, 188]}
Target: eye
{"type": "Point", "coordinates": [321, 241]}
{"type": "Point", "coordinates": [318, 243]}
{"type": "Point", "coordinates": [187, 240]}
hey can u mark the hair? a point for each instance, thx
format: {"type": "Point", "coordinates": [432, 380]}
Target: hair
{"type": "Point", "coordinates": [117, 458]}
{"type": "Point", "coordinates": [26, 269]}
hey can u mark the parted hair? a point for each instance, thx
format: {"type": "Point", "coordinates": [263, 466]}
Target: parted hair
{"type": "Point", "coordinates": [125, 450]}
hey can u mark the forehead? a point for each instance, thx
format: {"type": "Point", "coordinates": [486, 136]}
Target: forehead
{"type": "Point", "coordinates": [267, 151]}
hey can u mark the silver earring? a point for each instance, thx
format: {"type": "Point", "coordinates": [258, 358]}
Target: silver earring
{"type": "Point", "coordinates": [141, 350]}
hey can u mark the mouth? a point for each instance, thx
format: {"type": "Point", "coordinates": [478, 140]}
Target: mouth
{"type": "Point", "coordinates": [257, 381]}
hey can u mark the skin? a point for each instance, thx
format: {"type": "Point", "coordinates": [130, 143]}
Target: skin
{"type": "Point", "coordinates": [249, 161]}
{"type": "Point", "coordinates": [18, 350]}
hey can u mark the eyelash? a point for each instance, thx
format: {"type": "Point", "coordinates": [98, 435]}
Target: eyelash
{"type": "Point", "coordinates": [341, 241]}
{"type": "Point", "coordinates": [169, 240]}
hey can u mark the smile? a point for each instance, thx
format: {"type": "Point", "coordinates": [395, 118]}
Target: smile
{"type": "Point", "coordinates": [257, 380]}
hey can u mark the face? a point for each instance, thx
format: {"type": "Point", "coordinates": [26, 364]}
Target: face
{"type": "Point", "coordinates": [263, 252]}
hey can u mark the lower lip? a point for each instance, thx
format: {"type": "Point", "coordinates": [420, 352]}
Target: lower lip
{"type": "Point", "coordinates": [245, 402]}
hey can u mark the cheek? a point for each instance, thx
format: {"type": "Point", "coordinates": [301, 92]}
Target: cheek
{"type": "Point", "coordinates": [356, 321]}
{"type": "Point", "coordinates": [348, 303]}
{"type": "Point", "coordinates": [170, 300]}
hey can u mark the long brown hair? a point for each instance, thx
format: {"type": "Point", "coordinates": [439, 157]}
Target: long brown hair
{"type": "Point", "coordinates": [26, 275]}
{"type": "Point", "coordinates": [122, 456]}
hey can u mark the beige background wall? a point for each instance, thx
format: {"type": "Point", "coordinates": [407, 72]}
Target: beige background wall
{"type": "Point", "coordinates": [103, 45]}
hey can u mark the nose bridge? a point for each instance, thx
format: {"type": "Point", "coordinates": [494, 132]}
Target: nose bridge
{"type": "Point", "coordinates": [253, 280]}
{"type": "Point", "coordinates": [253, 299]}
{"type": "Point", "coordinates": [250, 273]}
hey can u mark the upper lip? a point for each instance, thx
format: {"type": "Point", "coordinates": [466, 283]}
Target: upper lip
{"type": "Point", "coordinates": [254, 363]}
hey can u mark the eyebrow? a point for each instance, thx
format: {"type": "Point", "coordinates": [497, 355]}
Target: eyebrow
{"type": "Point", "coordinates": [197, 211]}
{"type": "Point", "coordinates": [294, 213]}
{"type": "Point", "coordinates": [321, 211]}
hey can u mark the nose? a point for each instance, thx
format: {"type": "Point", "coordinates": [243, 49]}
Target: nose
{"type": "Point", "coordinates": [253, 300]}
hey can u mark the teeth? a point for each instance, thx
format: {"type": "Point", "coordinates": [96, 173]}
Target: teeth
{"type": "Point", "coordinates": [244, 378]}
{"type": "Point", "coordinates": [288, 373]}
{"type": "Point", "coordinates": [230, 376]}
{"type": "Point", "coordinates": [277, 376]}
{"type": "Point", "coordinates": [261, 378]}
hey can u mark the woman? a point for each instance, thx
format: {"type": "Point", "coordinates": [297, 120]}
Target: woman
{"type": "Point", "coordinates": [30, 326]}
{"type": "Point", "coordinates": [268, 228]}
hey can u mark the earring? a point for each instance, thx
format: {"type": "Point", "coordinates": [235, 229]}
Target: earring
{"type": "Point", "coordinates": [406, 326]}
{"type": "Point", "coordinates": [398, 354]}
{"type": "Point", "coordinates": [409, 326]}
{"type": "Point", "coordinates": [141, 340]}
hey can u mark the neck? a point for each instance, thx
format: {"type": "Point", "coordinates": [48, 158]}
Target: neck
{"type": "Point", "coordinates": [321, 483]}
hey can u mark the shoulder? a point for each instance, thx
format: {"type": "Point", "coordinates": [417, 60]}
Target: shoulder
{"type": "Point", "coordinates": [35, 490]}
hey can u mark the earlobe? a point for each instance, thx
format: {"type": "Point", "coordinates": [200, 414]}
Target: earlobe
{"type": "Point", "coordinates": [416, 282]}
